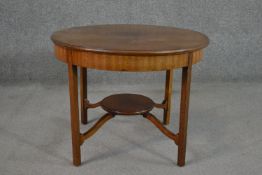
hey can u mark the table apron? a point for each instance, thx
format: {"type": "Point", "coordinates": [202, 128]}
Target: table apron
{"type": "Point", "coordinates": [132, 63]}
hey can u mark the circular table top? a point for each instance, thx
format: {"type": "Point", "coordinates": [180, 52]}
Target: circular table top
{"type": "Point", "coordinates": [130, 39]}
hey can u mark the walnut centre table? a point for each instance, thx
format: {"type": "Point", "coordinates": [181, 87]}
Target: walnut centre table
{"type": "Point", "coordinates": [130, 47]}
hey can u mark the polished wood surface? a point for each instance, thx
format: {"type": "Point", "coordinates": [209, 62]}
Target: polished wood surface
{"type": "Point", "coordinates": [168, 96]}
{"type": "Point", "coordinates": [130, 39]}
{"type": "Point", "coordinates": [184, 106]}
{"type": "Point", "coordinates": [114, 62]}
{"type": "Point", "coordinates": [83, 94]}
{"type": "Point", "coordinates": [73, 92]}
{"type": "Point", "coordinates": [127, 104]}
{"type": "Point", "coordinates": [128, 48]}
{"type": "Point", "coordinates": [95, 128]}
{"type": "Point", "coordinates": [163, 129]}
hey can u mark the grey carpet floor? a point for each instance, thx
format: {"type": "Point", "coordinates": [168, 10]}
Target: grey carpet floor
{"type": "Point", "coordinates": [224, 136]}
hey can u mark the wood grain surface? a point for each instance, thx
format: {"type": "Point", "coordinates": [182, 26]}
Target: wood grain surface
{"type": "Point", "coordinates": [130, 39]}
{"type": "Point", "coordinates": [129, 47]}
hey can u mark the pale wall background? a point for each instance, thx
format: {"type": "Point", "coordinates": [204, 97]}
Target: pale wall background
{"type": "Point", "coordinates": [234, 28]}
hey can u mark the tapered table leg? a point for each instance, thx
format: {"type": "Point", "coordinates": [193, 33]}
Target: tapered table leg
{"type": "Point", "coordinates": [83, 94]}
{"type": "Point", "coordinates": [73, 92]}
{"type": "Point", "coordinates": [168, 95]}
{"type": "Point", "coordinates": [184, 106]}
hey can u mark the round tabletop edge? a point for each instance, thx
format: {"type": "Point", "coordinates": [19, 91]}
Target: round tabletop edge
{"type": "Point", "coordinates": [131, 52]}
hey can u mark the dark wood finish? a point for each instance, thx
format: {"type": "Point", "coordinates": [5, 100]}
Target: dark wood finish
{"type": "Point", "coordinates": [73, 91]}
{"type": "Point", "coordinates": [128, 48]}
{"type": "Point", "coordinates": [184, 106]}
{"type": "Point", "coordinates": [96, 126]}
{"type": "Point", "coordinates": [91, 105]}
{"type": "Point", "coordinates": [83, 94]}
{"type": "Point", "coordinates": [163, 129]}
{"type": "Point", "coordinates": [131, 39]}
{"type": "Point", "coordinates": [127, 104]}
{"type": "Point", "coordinates": [131, 63]}
{"type": "Point", "coordinates": [168, 95]}
{"type": "Point", "coordinates": [162, 105]}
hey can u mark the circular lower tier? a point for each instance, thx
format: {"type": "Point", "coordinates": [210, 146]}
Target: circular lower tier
{"type": "Point", "coordinates": [127, 104]}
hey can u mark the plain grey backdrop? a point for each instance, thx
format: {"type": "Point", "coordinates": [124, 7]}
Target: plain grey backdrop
{"type": "Point", "coordinates": [234, 28]}
{"type": "Point", "coordinates": [224, 131]}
